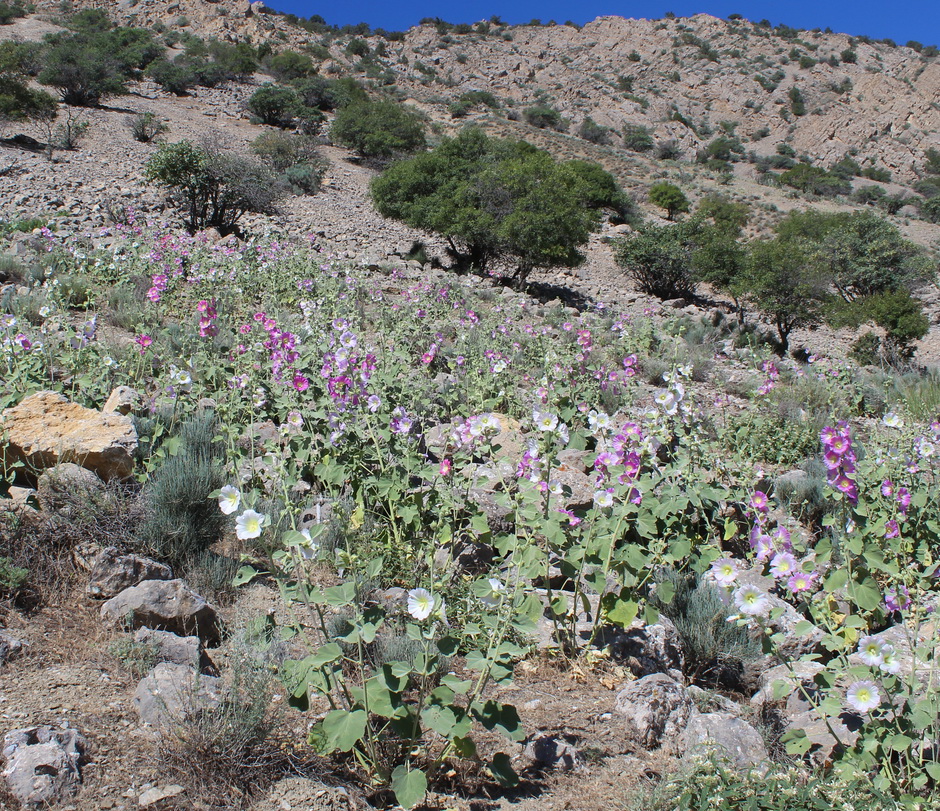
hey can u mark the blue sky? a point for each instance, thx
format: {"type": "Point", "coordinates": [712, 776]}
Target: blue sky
{"type": "Point", "coordinates": [902, 20]}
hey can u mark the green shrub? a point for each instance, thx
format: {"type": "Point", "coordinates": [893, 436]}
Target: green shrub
{"type": "Point", "coordinates": [930, 209]}
{"type": "Point", "coordinates": [89, 65]}
{"type": "Point", "coordinates": [211, 187]}
{"type": "Point", "coordinates": [379, 129]}
{"type": "Point", "coordinates": [289, 65]}
{"type": "Point", "coordinates": [660, 259]}
{"type": "Point", "coordinates": [543, 116]}
{"type": "Point", "coordinates": [282, 150]}
{"type": "Point", "coordinates": [273, 105]}
{"type": "Point", "coordinates": [145, 127]}
{"type": "Point", "coordinates": [181, 521]}
{"type": "Point", "coordinates": [797, 103]}
{"type": "Point", "coordinates": [716, 651]}
{"type": "Point", "coordinates": [138, 658]}
{"type": "Point", "coordinates": [877, 173]}
{"type": "Point", "coordinates": [10, 11]}
{"type": "Point", "coordinates": [713, 782]}
{"type": "Point", "coordinates": [12, 578]}
{"type": "Point", "coordinates": [815, 180]}
{"type": "Point", "coordinates": [637, 138]}
{"type": "Point", "coordinates": [591, 131]}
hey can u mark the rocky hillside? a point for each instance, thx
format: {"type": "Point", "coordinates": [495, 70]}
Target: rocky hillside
{"type": "Point", "coordinates": [683, 78]}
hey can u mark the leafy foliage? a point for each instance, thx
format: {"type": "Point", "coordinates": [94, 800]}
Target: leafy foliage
{"type": "Point", "coordinates": [668, 196]}
{"type": "Point", "coordinates": [494, 199]}
{"type": "Point", "coordinates": [212, 187]}
{"type": "Point", "coordinates": [379, 129]}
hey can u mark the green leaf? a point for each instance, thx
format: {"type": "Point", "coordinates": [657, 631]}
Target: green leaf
{"type": "Point", "coordinates": [245, 574]}
{"type": "Point", "coordinates": [900, 743]}
{"type": "Point", "coordinates": [465, 747]}
{"type": "Point", "coordinates": [933, 769]}
{"type": "Point", "coordinates": [501, 769]}
{"type": "Point", "coordinates": [867, 595]}
{"type": "Point", "coordinates": [344, 728]}
{"type": "Point", "coordinates": [409, 785]}
{"type": "Point", "coordinates": [619, 611]}
{"type": "Point", "coordinates": [493, 715]}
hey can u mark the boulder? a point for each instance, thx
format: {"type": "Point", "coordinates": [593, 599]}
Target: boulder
{"type": "Point", "coordinates": [113, 572]}
{"type": "Point", "coordinates": [177, 650]}
{"type": "Point", "coordinates": [655, 710]}
{"type": "Point", "coordinates": [46, 429]}
{"type": "Point", "coordinates": [726, 735]}
{"type": "Point", "coordinates": [824, 745]}
{"type": "Point", "coordinates": [41, 764]}
{"type": "Point", "coordinates": [550, 750]}
{"type": "Point", "coordinates": [172, 694]}
{"type": "Point", "coordinates": [648, 649]}
{"type": "Point", "coordinates": [164, 605]}
{"type": "Point", "coordinates": [10, 646]}
{"type": "Point", "coordinates": [65, 489]}
{"type": "Point", "coordinates": [786, 684]}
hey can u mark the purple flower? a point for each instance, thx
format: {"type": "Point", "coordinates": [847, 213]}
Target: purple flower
{"type": "Point", "coordinates": [783, 565]}
{"type": "Point", "coordinates": [892, 530]}
{"type": "Point", "coordinates": [759, 501]}
{"type": "Point", "coordinates": [897, 599]}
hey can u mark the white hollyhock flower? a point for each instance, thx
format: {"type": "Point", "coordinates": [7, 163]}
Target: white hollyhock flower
{"type": "Point", "coordinates": [249, 525]}
{"type": "Point", "coordinates": [420, 603]}
{"type": "Point", "coordinates": [863, 696]}
{"type": "Point", "coordinates": [870, 651]}
{"type": "Point", "coordinates": [229, 499]}
{"type": "Point", "coordinates": [752, 601]}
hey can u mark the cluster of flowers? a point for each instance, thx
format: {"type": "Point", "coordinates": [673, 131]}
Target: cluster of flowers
{"type": "Point", "coordinates": [622, 450]}
{"type": "Point", "coordinates": [158, 284]}
{"type": "Point", "coordinates": [839, 459]}
{"type": "Point", "coordinates": [11, 340]}
{"type": "Point", "coordinates": [207, 317]}
{"type": "Point", "coordinates": [769, 368]}
{"type": "Point", "coordinates": [86, 335]}
{"type": "Point", "coordinates": [282, 351]}
{"type": "Point", "coordinates": [671, 398]}
{"type": "Point", "coordinates": [347, 371]}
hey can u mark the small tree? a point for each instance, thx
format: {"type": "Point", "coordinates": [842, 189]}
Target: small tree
{"type": "Point", "coordinates": [669, 197]}
{"type": "Point", "coordinates": [544, 116]}
{"type": "Point", "coordinates": [273, 105]}
{"type": "Point", "coordinates": [212, 187]}
{"type": "Point", "coordinates": [660, 259]}
{"type": "Point", "coordinates": [289, 65]}
{"type": "Point", "coordinates": [781, 284]}
{"type": "Point", "coordinates": [591, 131]}
{"type": "Point", "coordinates": [18, 101]}
{"type": "Point", "coordinates": [379, 129]}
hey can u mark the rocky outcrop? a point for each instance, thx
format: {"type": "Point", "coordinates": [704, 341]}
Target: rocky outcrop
{"type": "Point", "coordinates": [726, 736]}
{"type": "Point", "coordinates": [170, 694]}
{"type": "Point", "coordinates": [165, 605]}
{"type": "Point", "coordinates": [47, 429]}
{"type": "Point", "coordinates": [113, 572]}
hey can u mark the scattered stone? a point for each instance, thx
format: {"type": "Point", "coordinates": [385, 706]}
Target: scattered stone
{"type": "Point", "coordinates": [177, 650]}
{"type": "Point", "coordinates": [164, 605]}
{"type": "Point", "coordinates": [154, 795]}
{"type": "Point", "coordinates": [10, 646]}
{"type": "Point", "coordinates": [728, 735]}
{"type": "Point", "coordinates": [171, 694]}
{"type": "Point", "coordinates": [123, 400]}
{"type": "Point", "coordinates": [46, 429]}
{"type": "Point", "coordinates": [550, 750]}
{"type": "Point", "coordinates": [648, 649]}
{"type": "Point", "coordinates": [655, 709]}
{"type": "Point", "coordinates": [470, 557]}
{"type": "Point", "coordinates": [113, 572]}
{"type": "Point", "coordinates": [303, 794]}
{"type": "Point", "coordinates": [42, 764]}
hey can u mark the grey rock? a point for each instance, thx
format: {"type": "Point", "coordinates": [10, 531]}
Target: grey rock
{"type": "Point", "coordinates": [10, 646]}
{"type": "Point", "coordinates": [41, 764]}
{"type": "Point", "coordinates": [824, 745]}
{"type": "Point", "coordinates": [123, 400]}
{"type": "Point", "coordinates": [165, 605]}
{"type": "Point", "coordinates": [787, 684]}
{"type": "Point", "coordinates": [655, 710]}
{"type": "Point", "coordinates": [304, 794]}
{"type": "Point", "coordinates": [65, 488]}
{"type": "Point", "coordinates": [171, 694]}
{"type": "Point", "coordinates": [648, 649]}
{"type": "Point", "coordinates": [177, 650]}
{"type": "Point", "coordinates": [152, 796]}
{"type": "Point", "coordinates": [549, 750]}
{"type": "Point", "coordinates": [113, 572]}
{"type": "Point", "coordinates": [727, 735]}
